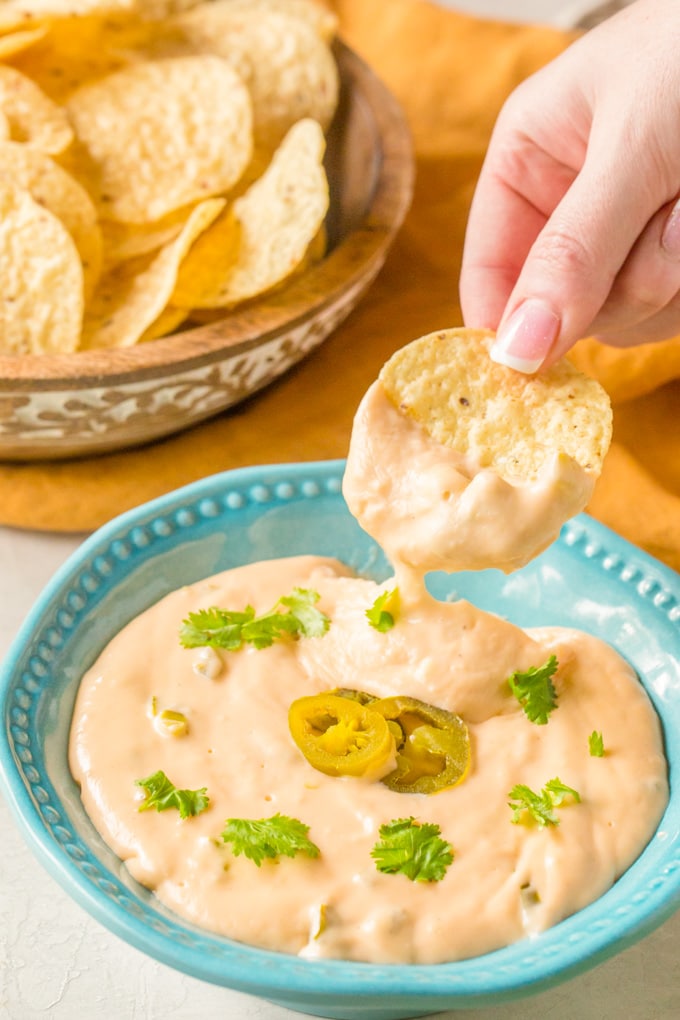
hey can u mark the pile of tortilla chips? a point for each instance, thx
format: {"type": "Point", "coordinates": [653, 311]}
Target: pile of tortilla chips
{"type": "Point", "coordinates": [161, 162]}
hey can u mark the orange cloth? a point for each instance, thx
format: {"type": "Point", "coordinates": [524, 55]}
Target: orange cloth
{"type": "Point", "coordinates": [451, 73]}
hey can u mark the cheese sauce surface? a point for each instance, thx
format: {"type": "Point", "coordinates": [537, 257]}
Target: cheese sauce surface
{"type": "Point", "coordinates": [506, 880]}
{"type": "Point", "coordinates": [430, 508]}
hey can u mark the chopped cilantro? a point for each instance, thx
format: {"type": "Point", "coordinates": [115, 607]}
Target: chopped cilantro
{"type": "Point", "coordinates": [382, 613]}
{"type": "Point", "coordinates": [273, 837]}
{"type": "Point", "coordinates": [535, 691]}
{"type": "Point", "coordinates": [229, 629]}
{"type": "Point", "coordinates": [540, 806]}
{"type": "Point", "coordinates": [596, 745]}
{"type": "Point", "coordinates": [412, 848]}
{"type": "Point", "coordinates": [162, 795]}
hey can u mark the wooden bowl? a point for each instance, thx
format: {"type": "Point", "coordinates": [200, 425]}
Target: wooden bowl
{"type": "Point", "coordinates": [58, 406]}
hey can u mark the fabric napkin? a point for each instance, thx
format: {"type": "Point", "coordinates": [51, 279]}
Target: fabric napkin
{"type": "Point", "coordinates": [451, 73]}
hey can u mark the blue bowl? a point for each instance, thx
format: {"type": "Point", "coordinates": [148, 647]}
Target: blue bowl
{"type": "Point", "coordinates": [590, 579]}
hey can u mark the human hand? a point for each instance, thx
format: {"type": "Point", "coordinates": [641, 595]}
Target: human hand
{"type": "Point", "coordinates": [575, 223]}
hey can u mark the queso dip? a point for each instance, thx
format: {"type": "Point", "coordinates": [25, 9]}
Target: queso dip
{"type": "Point", "coordinates": [508, 876]}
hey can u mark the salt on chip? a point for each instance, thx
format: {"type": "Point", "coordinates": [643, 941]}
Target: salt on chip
{"type": "Point", "coordinates": [33, 117]}
{"type": "Point", "coordinates": [289, 69]}
{"type": "Point", "coordinates": [505, 420]}
{"type": "Point", "coordinates": [130, 299]}
{"type": "Point", "coordinates": [55, 189]}
{"type": "Point", "coordinates": [41, 298]}
{"type": "Point", "coordinates": [274, 224]}
{"type": "Point", "coordinates": [164, 134]}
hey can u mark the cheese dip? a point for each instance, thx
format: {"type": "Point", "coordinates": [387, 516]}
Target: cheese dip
{"type": "Point", "coordinates": [218, 720]}
{"type": "Point", "coordinates": [431, 508]}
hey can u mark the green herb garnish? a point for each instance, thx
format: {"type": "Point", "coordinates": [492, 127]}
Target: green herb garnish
{"type": "Point", "coordinates": [268, 838]}
{"type": "Point", "coordinates": [382, 613]}
{"type": "Point", "coordinates": [162, 795]}
{"type": "Point", "coordinates": [535, 691]}
{"type": "Point", "coordinates": [596, 745]}
{"type": "Point", "coordinates": [225, 628]}
{"type": "Point", "coordinates": [540, 806]}
{"type": "Point", "coordinates": [412, 848]}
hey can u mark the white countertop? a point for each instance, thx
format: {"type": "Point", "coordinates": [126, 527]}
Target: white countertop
{"type": "Point", "coordinates": [58, 963]}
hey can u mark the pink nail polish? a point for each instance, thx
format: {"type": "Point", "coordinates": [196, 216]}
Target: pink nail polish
{"type": "Point", "coordinates": [525, 339]}
{"type": "Point", "coordinates": [670, 239]}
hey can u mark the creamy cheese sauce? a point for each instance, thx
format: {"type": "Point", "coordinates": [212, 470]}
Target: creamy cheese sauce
{"type": "Point", "coordinates": [431, 508]}
{"type": "Point", "coordinates": [506, 880]}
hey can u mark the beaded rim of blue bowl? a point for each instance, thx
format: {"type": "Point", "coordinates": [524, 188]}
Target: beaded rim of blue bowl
{"type": "Point", "coordinates": [643, 897]}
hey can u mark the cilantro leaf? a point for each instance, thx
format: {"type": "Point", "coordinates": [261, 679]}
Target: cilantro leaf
{"type": "Point", "coordinates": [412, 848]}
{"type": "Point", "coordinates": [540, 806]}
{"type": "Point", "coordinates": [268, 837]}
{"type": "Point", "coordinates": [596, 745]}
{"type": "Point", "coordinates": [162, 795]}
{"type": "Point", "coordinates": [229, 629]}
{"type": "Point", "coordinates": [219, 628]}
{"type": "Point", "coordinates": [537, 805]}
{"type": "Point", "coordinates": [535, 691]}
{"type": "Point", "coordinates": [311, 622]}
{"type": "Point", "coordinates": [559, 791]}
{"type": "Point", "coordinates": [382, 613]}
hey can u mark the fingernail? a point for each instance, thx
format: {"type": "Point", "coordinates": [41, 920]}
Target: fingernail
{"type": "Point", "coordinates": [670, 239]}
{"type": "Point", "coordinates": [524, 340]}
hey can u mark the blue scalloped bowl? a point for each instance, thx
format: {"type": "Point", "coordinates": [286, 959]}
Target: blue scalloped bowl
{"type": "Point", "coordinates": [589, 578]}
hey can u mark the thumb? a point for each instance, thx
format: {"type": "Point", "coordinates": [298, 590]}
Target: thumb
{"type": "Point", "coordinates": [572, 264]}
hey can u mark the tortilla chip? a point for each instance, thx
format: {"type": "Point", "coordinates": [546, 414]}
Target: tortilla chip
{"type": "Point", "coordinates": [15, 42]}
{"type": "Point", "coordinates": [288, 68]}
{"type": "Point", "coordinates": [130, 298]}
{"type": "Point", "coordinates": [271, 228]}
{"type": "Point", "coordinates": [52, 187]}
{"type": "Point", "coordinates": [503, 419]}
{"type": "Point", "coordinates": [124, 241]}
{"type": "Point", "coordinates": [164, 134]}
{"type": "Point", "coordinates": [41, 298]}
{"type": "Point", "coordinates": [314, 13]}
{"type": "Point", "coordinates": [32, 116]}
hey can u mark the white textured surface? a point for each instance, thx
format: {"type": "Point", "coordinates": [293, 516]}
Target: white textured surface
{"type": "Point", "coordinates": [56, 963]}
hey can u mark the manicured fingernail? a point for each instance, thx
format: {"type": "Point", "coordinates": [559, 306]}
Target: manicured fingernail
{"type": "Point", "coordinates": [670, 239]}
{"type": "Point", "coordinates": [525, 339]}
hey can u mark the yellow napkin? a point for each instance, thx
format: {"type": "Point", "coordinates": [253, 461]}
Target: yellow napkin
{"type": "Point", "coordinates": [451, 73]}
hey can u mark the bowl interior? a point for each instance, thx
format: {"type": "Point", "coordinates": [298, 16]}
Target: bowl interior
{"type": "Point", "coordinates": [589, 578]}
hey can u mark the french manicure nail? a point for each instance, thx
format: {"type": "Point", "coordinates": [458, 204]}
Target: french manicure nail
{"type": "Point", "coordinates": [524, 340]}
{"type": "Point", "coordinates": [670, 238]}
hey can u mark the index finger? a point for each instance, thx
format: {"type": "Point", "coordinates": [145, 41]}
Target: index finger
{"type": "Point", "coordinates": [515, 195]}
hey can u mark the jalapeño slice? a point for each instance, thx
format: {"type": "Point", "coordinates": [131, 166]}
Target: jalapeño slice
{"type": "Point", "coordinates": [341, 737]}
{"type": "Point", "coordinates": [433, 747]}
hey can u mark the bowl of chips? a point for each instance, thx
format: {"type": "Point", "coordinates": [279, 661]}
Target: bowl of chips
{"type": "Point", "coordinates": [193, 195]}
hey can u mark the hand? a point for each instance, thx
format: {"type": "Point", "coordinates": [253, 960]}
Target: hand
{"type": "Point", "coordinates": [575, 223]}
